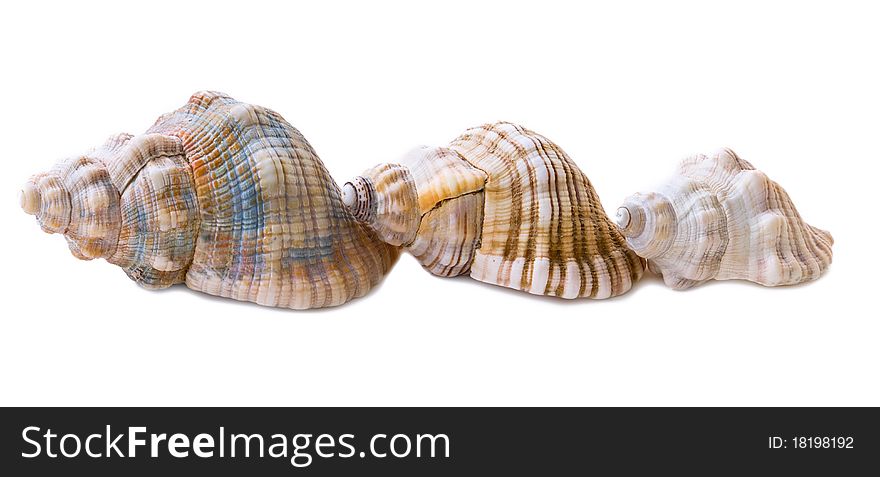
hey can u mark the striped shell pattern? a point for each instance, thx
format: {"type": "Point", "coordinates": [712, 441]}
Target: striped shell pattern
{"type": "Point", "coordinates": [505, 205]}
{"type": "Point", "coordinates": [719, 218]}
{"type": "Point", "coordinates": [231, 200]}
{"type": "Point", "coordinates": [224, 196]}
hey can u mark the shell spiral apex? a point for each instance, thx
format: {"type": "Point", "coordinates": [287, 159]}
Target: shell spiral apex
{"type": "Point", "coordinates": [505, 205]}
{"type": "Point", "coordinates": [719, 218]}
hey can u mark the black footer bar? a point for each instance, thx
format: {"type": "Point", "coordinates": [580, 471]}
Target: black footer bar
{"type": "Point", "coordinates": [439, 441]}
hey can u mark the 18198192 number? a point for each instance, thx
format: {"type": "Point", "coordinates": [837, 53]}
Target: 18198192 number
{"type": "Point", "coordinates": [813, 442]}
{"type": "Point", "coordinates": [826, 442]}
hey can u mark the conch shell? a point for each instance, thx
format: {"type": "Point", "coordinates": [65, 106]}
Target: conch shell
{"type": "Point", "coordinates": [224, 196]}
{"type": "Point", "coordinates": [505, 205]}
{"type": "Point", "coordinates": [719, 218]}
{"type": "Point", "coordinates": [232, 200]}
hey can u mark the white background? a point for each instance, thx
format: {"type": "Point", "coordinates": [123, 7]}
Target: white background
{"type": "Point", "coordinates": [627, 90]}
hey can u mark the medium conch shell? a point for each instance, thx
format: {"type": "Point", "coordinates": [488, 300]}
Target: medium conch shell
{"type": "Point", "coordinates": [719, 218]}
{"type": "Point", "coordinates": [224, 196]}
{"type": "Point", "coordinates": [504, 204]}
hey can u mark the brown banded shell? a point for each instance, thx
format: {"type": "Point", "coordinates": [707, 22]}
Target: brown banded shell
{"type": "Point", "coordinates": [508, 206]}
{"type": "Point", "coordinates": [544, 228]}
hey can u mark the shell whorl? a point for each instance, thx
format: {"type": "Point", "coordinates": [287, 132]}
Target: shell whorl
{"type": "Point", "coordinates": [30, 198]}
{"type": "Point", "coordinates": [430, 202]}
{"type": "Point", "coordinates": [359, 196]}
{"type": "Point", "coordinates": [649, 224]}
{"type": "Point", "coordinates": [77, 199]}
{"type": "Point", "coordinates": [272, 227]}
{"type": "Point", "coordinates": [98, 202]}
{"type": "Point", "coordinates": [385, 198]}
{"type": "Point", "coordinates": [45, 197]}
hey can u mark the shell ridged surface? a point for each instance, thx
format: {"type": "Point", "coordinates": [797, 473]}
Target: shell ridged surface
{"type": "Point", "coordinates": [160, 223]}
{"type": "Point", "coordinates": [450, 196]}
{"type": "Point", "coordinates": [439, 174]}
{"type": "Point", "coordinates": [232, 200]}
{"type": "Point", "coordinates": [430, 202]}
{"type": "Point", "coordinates": [78, 199]}
{"type": "Point", "coordinates": [45, 197]}
{"type": "Point", "coordinates": [719, 218]}
{"type": "Point", "coordinates": [449, 235]}
{"type": "Point", "coordinates": [544, 229]}
{"type": "Point", "coordinates": [272, 226]}
{"type": "Point", "coordinates": [509, 207]}
{"type": "Point", "coordinates": [388, 200]}
{"type": "Point", "coordinates": [224, 196]}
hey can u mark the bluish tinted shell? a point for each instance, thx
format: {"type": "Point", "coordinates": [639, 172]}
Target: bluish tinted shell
{"type": "Point", "coordinates": [272, 228]}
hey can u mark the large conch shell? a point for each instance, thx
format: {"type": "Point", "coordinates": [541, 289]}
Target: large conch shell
{"type": "Point", "coordinates": [719, 218]}
{"type": "Point", "coordinates": [224, 196]}
{"type": "Point", "coordinates": [505, 205]}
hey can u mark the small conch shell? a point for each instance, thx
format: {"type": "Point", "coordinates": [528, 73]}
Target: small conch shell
{"type": "Point", "coordinates": [719, 218]}
{"type": "Point", "coordinates": [505, 205]}
{"type": "Point", "coordinates": [224, 196]}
